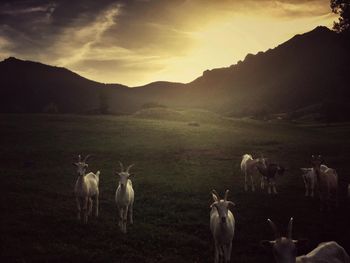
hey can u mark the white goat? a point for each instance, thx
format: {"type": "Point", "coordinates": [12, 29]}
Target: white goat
{"type": "Point", "coordinates": [310, 179]}
{"type": "Point", "coordinates": [249, 168]}
{"type": "Point", "coordinates": [327, 181]}
{"type": "Point", "coordinates": [222, 226]}
{"type": "Point", "coordinates": [86, 188]}
{"type": "Point", "coordinates": [124, 197]}
{"type": "Point", "coordinates": [284, 249]}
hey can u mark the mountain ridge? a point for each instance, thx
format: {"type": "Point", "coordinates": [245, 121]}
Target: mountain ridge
{"type": "Point", "coordinates": [307, 69]}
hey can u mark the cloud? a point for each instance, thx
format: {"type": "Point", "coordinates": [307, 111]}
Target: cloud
{"type": "Point", "coordinates": [136, 41]}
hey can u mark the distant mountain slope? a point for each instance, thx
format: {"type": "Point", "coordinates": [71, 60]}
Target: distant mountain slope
{"type": "Point", "coordinates": [30, 87]}
{"type": "Point", "coordinates": [312, 68]}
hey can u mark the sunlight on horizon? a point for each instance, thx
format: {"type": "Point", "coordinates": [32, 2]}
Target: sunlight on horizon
{"type": "Point", "coordinates": [221, 45]}
{"type": "Point", "coordinates": [135, 44]}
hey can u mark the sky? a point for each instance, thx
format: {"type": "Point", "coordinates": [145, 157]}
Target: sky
{"type": "Point", "coordinates": [135, 42]}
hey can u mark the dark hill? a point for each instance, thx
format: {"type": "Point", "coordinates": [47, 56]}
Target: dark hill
{"type": "Point", "coordinates": [309, 69]}
{"type": "Point", "coordinates": [28, 86]}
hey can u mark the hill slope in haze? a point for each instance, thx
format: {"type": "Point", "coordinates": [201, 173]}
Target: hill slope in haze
{"type": "Point", "coordinates": [309, 69]}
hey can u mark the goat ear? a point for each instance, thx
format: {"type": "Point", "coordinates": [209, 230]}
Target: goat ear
{"type": "Point", "coordinates": [305, 170]}
{"type": "Point", "coordinates": [211, 206]}
{"type": "Point", "coordinates": [75, 164]}
{"type": "Point", "coordinates": [267, 244]}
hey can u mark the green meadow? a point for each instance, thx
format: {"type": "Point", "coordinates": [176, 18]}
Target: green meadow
{"type": "Point", "coordinates": [176, 167]}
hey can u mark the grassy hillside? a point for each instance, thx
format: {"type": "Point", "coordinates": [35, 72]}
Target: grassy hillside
{"type": "Point", "coordinates": [176, 167]}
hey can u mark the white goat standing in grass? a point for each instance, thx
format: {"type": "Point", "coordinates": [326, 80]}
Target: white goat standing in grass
{"type": "Point", "coordinates": [310, 179]}
{"type": "Point", "coordinates": [124, 197]}
{"type": "Point", "coordinates": [86, 188]}
{"type": "Point", "coordinates": [222, 226]}
{"type": "Point", "coordinates": [327, 182]}
{"type": "Point", "coordinates": [249, 167]}
{"type": "Point", "coordinates": [285, 251]}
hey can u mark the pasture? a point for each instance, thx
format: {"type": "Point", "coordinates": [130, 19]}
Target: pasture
{"type": "Point", "coordinates": [176, 167]}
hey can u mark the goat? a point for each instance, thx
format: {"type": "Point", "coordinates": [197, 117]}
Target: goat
{"type": "Point", "coordinates": [268, 172]}
{"type": "Point", "coordinates": [327, 181]}
{"type": "Point", "coordinates": [310, 179]}
{"type": "Point", "coordinates": [222, 226]}
{"type": "Point", "coordinates": [248, 167]}
{"type": "Point", "coordinates": [124, 197]}
{"type": "Point", "coordinates": [285, 249]}
{"type": "Point", "coordinates": [86, 188]}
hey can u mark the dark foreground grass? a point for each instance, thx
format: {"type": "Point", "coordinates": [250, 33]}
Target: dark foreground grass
{"type": "Point", "coordinates": [176, 167]}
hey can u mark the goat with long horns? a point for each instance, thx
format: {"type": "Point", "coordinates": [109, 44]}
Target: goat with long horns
{"type": "Point", "coordinates": [285, 249]}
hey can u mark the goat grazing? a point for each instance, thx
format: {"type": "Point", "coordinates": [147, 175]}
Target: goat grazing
{"type": "Point", "coordinates": [268, 172]}
{"type": "Point", "coordinates": [222, 226]}
{"type": "Point", "coordinates": [285, 249]}
{"type": "Point", "coordinates": [249, 167]}
{"type": "Point", "coordinates": [327, 181]}
{"type": "Point", "coordinates": [124, 197]}
{"type": "Point", "coordinates": [86, 188]}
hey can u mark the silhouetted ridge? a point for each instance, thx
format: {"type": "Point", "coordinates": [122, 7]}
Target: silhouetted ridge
{"type": "Point", "coordinates": [308, 69]}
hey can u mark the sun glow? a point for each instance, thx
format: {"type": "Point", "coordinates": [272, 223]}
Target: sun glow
{"type": "Point", "coordinates": [147, 41]}
{"type": "Point", "coordinates": [227, 42]}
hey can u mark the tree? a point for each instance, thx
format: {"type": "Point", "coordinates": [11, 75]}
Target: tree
{"type": "Point", "coordinates": [342, 8]}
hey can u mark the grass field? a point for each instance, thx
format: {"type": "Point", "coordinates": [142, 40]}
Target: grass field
{"type": "Point", "coordinates": [177, 166]}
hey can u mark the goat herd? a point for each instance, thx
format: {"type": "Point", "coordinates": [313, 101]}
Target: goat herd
{"type": "Point", "coordinates": [222, 223]}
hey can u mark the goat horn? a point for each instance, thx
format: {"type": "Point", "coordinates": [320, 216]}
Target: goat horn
{"type": "Point", "coordinates": [121, 166]}
{"type": "Point", "coordinates": [216, 193]}
{"type": "Point", "coordinates": [130, 166]}
{"type": "Point", "coordinates": [87, 157]}
{"type": "Point", "coordinates": [226, 194]}
{"type": "Point", "coordinates": [290, 228]}
{"type": "Point", "coordinates": [274, 229]}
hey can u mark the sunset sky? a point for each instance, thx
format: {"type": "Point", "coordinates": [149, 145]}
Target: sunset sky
{"type": "Point", "coordinates": [139, 41]}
